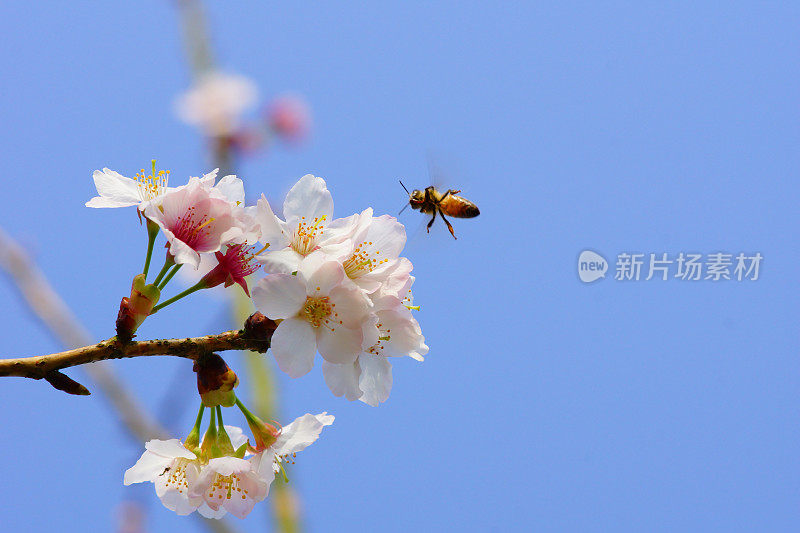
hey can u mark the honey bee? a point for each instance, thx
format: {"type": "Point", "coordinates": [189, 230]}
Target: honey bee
{"type": "Point", "coordinates": [431, 201]}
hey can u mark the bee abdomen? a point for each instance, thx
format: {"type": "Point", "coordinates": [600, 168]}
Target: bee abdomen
{"type": "Point", "coordinates": [459, 207]}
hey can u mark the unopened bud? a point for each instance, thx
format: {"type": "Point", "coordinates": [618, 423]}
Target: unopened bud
{"type": "Point", "coordinates": [134, 310]}
{"type": "Point", "coordinates": [259, 329]}
{"type": "Point", "coordinates": [289, 117]}
{"type": "Point", "coordinates": [215, 381]}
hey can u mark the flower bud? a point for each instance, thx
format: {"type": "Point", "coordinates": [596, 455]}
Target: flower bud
{"type": "Point", "coordinates": [215, 381]}
{"type": "Point", "coordinates": [289, 117]}
{"type": "Point", "coordinates": [133, 310]}
{"type": "Point", "coordinates": [259, 329]}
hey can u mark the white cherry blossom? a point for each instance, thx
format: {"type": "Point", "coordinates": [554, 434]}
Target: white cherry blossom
{"type": "Point", "coordinates": [116, 190]}
{"type": "Point", "coordinates": [307, 225]}
{"type": "Point", "coordinates": [174, 471]}
{"type": "Point", "coordinates": [231, 484]}
{"type": "Point", "coordinates": [317, 312]}
{"type": "Point", "coordinates": [293, 438]}
{"type": "Point", "coordinates": [370, 253]}
{"type": "Point", "coordinates": [215, 104]}
{"type": "Point", "coordinates": [369, 378]}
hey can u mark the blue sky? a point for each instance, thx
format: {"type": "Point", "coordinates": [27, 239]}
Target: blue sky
{"type": "Point", "coordinates": [545, 404]}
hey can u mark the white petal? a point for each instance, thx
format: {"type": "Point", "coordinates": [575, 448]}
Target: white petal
{"type": "Point", "coordinates": [352, 306]}
{"type": "Point", "coordinates": [176, 498]}
{"type": "Point", "coordinates": [232, 189]}
{"type": "Point", "coordinates": [147, 468]}
{"type": "Point", "coordinates": [387, 235]}
{"type": "Point", "coordinates": [321, 275]}
{"type": "Point", "coordinates": [236, 435]}
{"type": "Point", "coordinates": [309, 198]}
{"type": "Point", "coordinates": [225, 466]}
{"type": "Point", "coordinates": [208, 179]}
{"type": "Point", "coordinates": [370, 332]}
{"type": "Point", "coordinates": [279, 295]}
{"type": "Point", "coordinates": [405, 336]}
{"type": "Point", "coordinates": [303, 431]}
{"type": "Point", "coordinates": [344, 229]}
{"type": "Point", "coordinates": [375, 380]}
{"type": "Point", "coordinates": [168, 448]}
{"type": "Point", "coordinates": [208, 512]}
{"type": "Point", "coordinates": [116, 189]}
{"type": "Point", "coordinates": [272, 228]}
{"type": "Point", "coordinates": [340, 346]}
{"type": "Point", "coordinates": [294, 346]}
{"type": "Point", "coordinates": [342, 380]}
{"type": "Point", "coordinates": [283, 261]}
{"type": "Point", "coordinates": [240, 504]}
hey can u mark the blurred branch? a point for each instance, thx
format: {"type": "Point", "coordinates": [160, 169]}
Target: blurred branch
{"type": "Point", "coordinates": [40, 366]}
{"type": "Point", "coordinates": [48, 307]}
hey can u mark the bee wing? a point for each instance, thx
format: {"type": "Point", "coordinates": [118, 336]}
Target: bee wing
{"type": "Point", "coordinates": [436, 175]}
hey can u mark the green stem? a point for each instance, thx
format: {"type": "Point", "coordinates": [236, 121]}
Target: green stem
{"type": "Point", "coordinates": [169, 276]}
{"type": "Point", "coordinates": [247, 414]}
{"type": "Point", "coordinates": [194, 288]}
{"type": "Point", "coordinates": [152, 233]}
{"type": "Point", "coordinates": [219, 419]}
{"type": "Point", "coordinates": [193, 439]}
{"type": "Point", "coordinates": [168, 262]}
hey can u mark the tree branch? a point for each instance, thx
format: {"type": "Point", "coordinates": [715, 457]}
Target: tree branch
{"type": "Point", "coordinates": [42, 366]}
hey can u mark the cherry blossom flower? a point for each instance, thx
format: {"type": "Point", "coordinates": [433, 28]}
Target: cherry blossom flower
{"type": "Point", "coordinates": [173, 469]}
{"type": "Point", "coordinates": [116, 190]}
{"type": "Point", "coordinates": [371, 252]}
{"type": "Point", "coordinates": [215, 104]}
{"type": "Point", "coordinates": [193, 222]}
{"type": "Point", "coordinates": [233, 266]}
{"type": "Point", "coordinates": [369, 378]}
{"type": "Point", "coordinates": [308, 210]}
{"type": "Point", "coordinates": [289, 117]}
{"type": "Point", "coordinates": [317, 310]}
{"type": "Point", "coordinates": [232, 484]}
{"type": "Point", "coordinates": [293, 438]}
{"type": "Point", "coordinates": [231, 188]}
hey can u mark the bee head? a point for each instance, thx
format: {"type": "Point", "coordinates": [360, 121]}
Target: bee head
{"type": "Point", "coordinates": [416, 199]}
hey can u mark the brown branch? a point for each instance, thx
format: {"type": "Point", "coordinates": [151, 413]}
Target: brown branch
{"type": "Point", "coordinates": [57, 317]}
{"type": "Point", "coordinates": [42, 366]}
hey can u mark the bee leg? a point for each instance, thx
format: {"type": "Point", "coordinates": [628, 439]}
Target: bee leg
{"type": "Point", "coordinates": [431, 222]}
{"type": "Point", "coordinates": [449, 226]}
